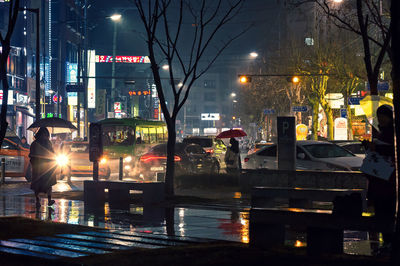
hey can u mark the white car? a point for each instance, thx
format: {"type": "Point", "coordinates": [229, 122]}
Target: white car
{"type": "Point", "coordinates": [310, 155]}
{"type": "Point", "coordinates": [355, 147]}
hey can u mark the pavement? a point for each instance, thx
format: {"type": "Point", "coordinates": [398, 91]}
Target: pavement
{"type": "Point", "coordinates": [220, 215]}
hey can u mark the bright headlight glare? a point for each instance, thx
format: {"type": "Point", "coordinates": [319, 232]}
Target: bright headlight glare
{"type": "Point", "coordinates": [128, 159]}
{"type": "Point", "coordinates": [62, 160]}
{"type": "Point", "coordinates": [103, 160]}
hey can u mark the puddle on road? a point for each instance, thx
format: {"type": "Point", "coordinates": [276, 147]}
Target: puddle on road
{"type": "Point", "coordinates": [184, 222]}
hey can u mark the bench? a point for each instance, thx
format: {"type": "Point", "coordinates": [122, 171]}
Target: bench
{"type": "Point", "coordinates": [299, 197]}
{"type": "Point", "coordinates": [119, 192]}
{"type": "Point", "coordinates": [324, 230]}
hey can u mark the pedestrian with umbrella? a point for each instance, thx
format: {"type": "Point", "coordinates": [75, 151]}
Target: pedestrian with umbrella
{"type": "Point", "coordinates": [232, 155]}
{"type": "Point", "coordinates": [43, 166]}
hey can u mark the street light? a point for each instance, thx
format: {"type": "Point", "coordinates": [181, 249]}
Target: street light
{"type": "Point", "coordinates": [165, 67]}
{"type": "Point", "coordinates": [233, 94]}
{"type": "Point", "coordinates": [244, 79]}
{"type": "Point", "coordinates": [253, 55]}
{"type": "Point", "coordinates": [116, 18]}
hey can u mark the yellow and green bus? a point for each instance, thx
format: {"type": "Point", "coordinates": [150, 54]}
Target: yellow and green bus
{"type": "Point", "coordinates": [129, 138]}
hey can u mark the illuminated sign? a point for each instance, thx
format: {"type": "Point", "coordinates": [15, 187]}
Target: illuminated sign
{"type": "Point", "coordinates": [117, 109]}
{"type": "Point", "coordinates": [91, 88]}
{"type": "Point", "coordinates": [72, 98]}
{"type": "Point", "coordinates": [139, 93]}
{"type": "Point", "coordinates": [10, 97]}
{"type": "Point", "coordinates": [55, 98]}
{"type": "Point", "coordinates": [72, 72]}
{"type": "Point", "coordinates": [122, 59]}
{"type": "Point", "coordinates": [210, 116]}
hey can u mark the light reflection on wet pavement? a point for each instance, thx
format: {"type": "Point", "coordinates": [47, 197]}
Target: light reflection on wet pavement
{"type": "Point", "coordinates": [187, 221]}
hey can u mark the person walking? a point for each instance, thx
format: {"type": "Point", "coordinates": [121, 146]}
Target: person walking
{"type": "Point", "coordinates": [232, 157]}
{"type": "Point", "coordinates": [382, 193]}
{"type": "Point", "coordinates": [43, 166]}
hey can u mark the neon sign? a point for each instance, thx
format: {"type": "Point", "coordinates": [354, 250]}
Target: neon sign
{"type": "Point", "coordinates": [122, 59]}
{"type": "Point", "coordinates": [139, 93]}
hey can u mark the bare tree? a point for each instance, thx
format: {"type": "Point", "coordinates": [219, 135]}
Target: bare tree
{"type": "Point", "coordinates": [164, 22]}
{"type": "Point", "coordinates": [5, 41]}
{"type": "Point", "coordinates": [371, 23]}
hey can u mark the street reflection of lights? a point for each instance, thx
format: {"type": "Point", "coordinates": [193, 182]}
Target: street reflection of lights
{"type": "Point", "coordinates": [73, 217]}
{"type": "Point", "coordinates": [237, 195]}
{"type": "Point", "coordinates": [63, 210]}
{"type": "Point", "coordinates": [244, 232]}
{"type": "Point", "coordinates": [181, 213]}
{"type": "Point", "coordinates": [62, 186]}
{"type": "Point", "coordinates": [299, 244]}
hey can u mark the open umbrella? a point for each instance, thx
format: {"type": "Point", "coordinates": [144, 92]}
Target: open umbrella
{"type": "Point", "coordinates": [231, 133]}
{"type": "Point", "coordinates": [371, 103]}
{"type": "Point", "coordinates": [55, 125]}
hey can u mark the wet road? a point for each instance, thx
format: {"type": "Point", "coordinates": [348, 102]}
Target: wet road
{"type": "Point", "coordinates": [205, 221]}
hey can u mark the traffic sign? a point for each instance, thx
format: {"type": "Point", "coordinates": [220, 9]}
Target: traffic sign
{"type": "Point", "coordinates": [355, 100]}
{"type": "Point", "coordinates": [382, 86]}
{"type": "Point", "coordinates": [299, 108]}
{"type": "Point", "coordinates": [343, 113]}
{"type": "Point", "coordinates": [74, 88]}
{"type": "Point", "coordinates": [269, 111]}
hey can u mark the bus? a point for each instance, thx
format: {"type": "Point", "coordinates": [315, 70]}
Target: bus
{"type": "Point", "coordinates": [129, 138]}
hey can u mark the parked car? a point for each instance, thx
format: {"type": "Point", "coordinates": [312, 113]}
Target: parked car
{"type": "Point", "coordinates": [189, 159]}
{"type": "Point", "coordinates": [16, 159]}
{"type": "Point", "coordinates": [310, 155]}
{"type": "Point", "coordinates": [210, 144]}
{"type": "Point", "coordinates": [259, 145]}
{"type": "Point", "coordinates": [355, 147]}
{"type": "Point", "coordinates": [75, 156]}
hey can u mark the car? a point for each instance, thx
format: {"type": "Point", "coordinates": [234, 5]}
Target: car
{"type": "Point", "coordinates": [258, 146]}
{"type": "Point", "coordinates": [216, 147]}
{"type": "Point", "coordinates": [16, 159]}
{"type": "Point", "coordinates": [189, 159]}
{"type": "Point", "coordinates": [310, 155]}
{"type": "Point", "coordinates": [74, 157]}
{"type": "Point", "coordinates": [355, 147]}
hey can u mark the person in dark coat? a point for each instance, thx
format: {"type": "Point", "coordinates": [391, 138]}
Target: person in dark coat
{"type": "Point", "coordinates": [43, 165]}
{"type": "Point", "coordinates": [232, 157]}
{"type": "Point", "coordinates": [382, 193]}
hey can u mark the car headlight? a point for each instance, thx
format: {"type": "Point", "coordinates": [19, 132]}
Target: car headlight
{"type": "Point", "coordinates": [128, 159]}
{"type": "Point", "coordinates": [103, 160]}
{"type": "Point", "coordinates": [62, 159]}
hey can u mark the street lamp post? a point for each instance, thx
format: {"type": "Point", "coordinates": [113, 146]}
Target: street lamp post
{"type": "Point", "coordinates": [37, 89]}
{"type": "Point", "coordinates": [115, 18]}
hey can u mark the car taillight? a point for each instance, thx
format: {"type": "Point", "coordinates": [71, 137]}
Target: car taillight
{"type": "Point", "coordinates": [150, 157]}
{"type": "Point", "coordinates": [246, 159]}
{"type": "Point", "coordinates": [210, 151]}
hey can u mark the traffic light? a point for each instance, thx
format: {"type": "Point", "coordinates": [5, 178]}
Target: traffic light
{"type": "Point", "coordinates": [244, 79]}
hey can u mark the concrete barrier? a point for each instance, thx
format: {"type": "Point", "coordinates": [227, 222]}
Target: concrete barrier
{"type": "Point", "coordinates": [301, 178]}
